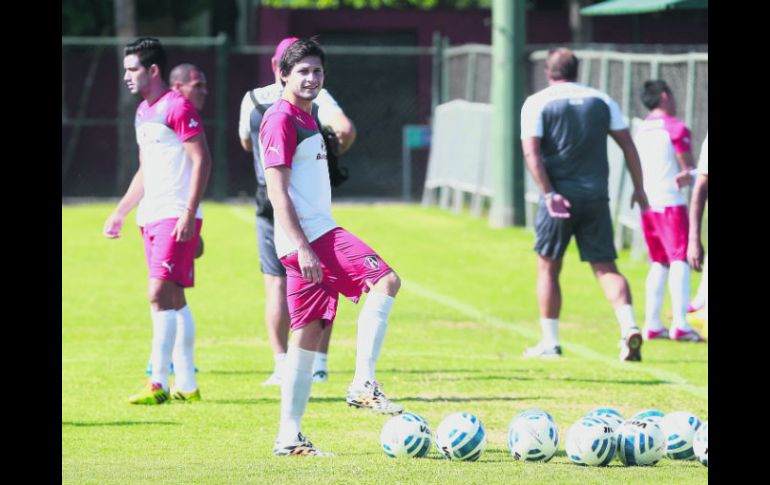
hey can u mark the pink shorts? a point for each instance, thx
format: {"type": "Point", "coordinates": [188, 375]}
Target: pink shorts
{"type": "Point", "coordinates": [666, 233]}
{"type": "Point", "coordinates": [168, 259]}
{"type": "Point", "coordinates": [347, 264]}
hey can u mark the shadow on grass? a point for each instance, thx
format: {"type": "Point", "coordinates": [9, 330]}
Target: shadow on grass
{"type": "Point", "coordinates": [79, 424]}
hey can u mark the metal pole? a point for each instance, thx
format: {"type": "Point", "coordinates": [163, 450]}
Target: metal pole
{"type": "Point", "coordinates": [508, 38]}
{"type": "Point", "coordinates": [219, 185]}
{"type": "Point", "coordinates": [436, 73]}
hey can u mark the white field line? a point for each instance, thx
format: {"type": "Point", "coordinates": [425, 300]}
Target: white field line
{"type": "Point", "coordinates": [671, 378]}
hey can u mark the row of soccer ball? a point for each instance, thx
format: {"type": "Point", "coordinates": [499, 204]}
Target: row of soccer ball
{"type": "Point", "coordinates": [593, 440]}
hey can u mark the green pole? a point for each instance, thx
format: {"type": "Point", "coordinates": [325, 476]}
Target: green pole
{"type": "Point", "coordinates": [508, 68]}
{"type": "Point", "coordinates": [220, 171]}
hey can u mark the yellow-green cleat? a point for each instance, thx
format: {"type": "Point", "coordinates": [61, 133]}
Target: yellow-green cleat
{"type": "Point", "coordinates": [179, 395]}
{"type": "Point", "coordinates": [153, 393]}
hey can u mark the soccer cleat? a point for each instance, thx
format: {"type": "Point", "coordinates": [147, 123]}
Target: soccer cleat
{"type": "Point", "coordinates": [153, 393]}
{"type": "Point", "coordinates": [320, 376]}
{"type": "Point", "coordinates": [653, 334]}
{"type": "Point", "coordinates": [180, 395]}
{"type": "Point", "coordinates": [273, 380]}
{"type": "Point", "coordinates": [543, 352]}
{"type": "Point", "coordinates": [686, 335]}
{"type": "Point", "coordinates": [371, 396]}
{"type": "Point", "coordinates": [299, 447]}
{"type": "Point", "coordinates": [631, 345]}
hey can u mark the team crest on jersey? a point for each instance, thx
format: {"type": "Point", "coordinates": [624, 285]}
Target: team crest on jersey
{"type": "Point", "coordinates": [372, 262]}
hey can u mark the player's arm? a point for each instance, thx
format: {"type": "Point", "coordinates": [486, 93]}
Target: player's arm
{"type": "Point", "coordinates": [198, 151]}
{"type": "Point", "coordinates": [277, 179]}
{"type": "Point", "coordinates": [344, 129]}
{"type": "Point", "coordinates": [244, 125]}
{"type": "Point", "coordinates": [133, 195]}
{"type": "Point", "coordinates": [623, 138]}
{"type": "Point", "coordinates": [700, 195]}
{"type": "Point", "coordinates": [684, 158]}
{"type": "Point", "coordinates": [556, 204]}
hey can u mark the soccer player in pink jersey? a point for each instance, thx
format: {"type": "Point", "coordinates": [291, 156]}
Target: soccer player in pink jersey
{"type": "Point", "coordinates": [321, 259]}
{"type": "Point", "coordinates": [664, 148]}
{"type": "Point", "coordinates": [695, 254]}
{"type": "Point", "coordinates": [174, 168]}
{"type": "Point", "coordinates": [254, 104]}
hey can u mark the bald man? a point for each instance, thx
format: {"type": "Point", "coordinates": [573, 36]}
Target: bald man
{"type": "Point", "coordinates": [564, 132]}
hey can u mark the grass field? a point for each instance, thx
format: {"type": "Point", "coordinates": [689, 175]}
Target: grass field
{"type": "Point", "coordinates": [465, 314]}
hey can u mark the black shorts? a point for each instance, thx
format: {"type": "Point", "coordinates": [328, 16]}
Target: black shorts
{"type": "Point", "coordinates": [589, 221]}
{"type": "Point", "coordinates": [268, 258]}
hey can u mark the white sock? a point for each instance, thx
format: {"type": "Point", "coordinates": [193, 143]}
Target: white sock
{"type": "Point", "coordinates": [163, 335]}
{"type": "Point", "coordinates": [550, 328]}
{"type": "Point", "coordinates": [372, 323]}
{"type": "Point", "coordinates": [320, 362]}
{"type": "Point", "coordinates": [184, 366]}
{"type": "Point", "coordinates": [625, 315]}
{"type": "Point", "coordinates": [295, 391]}
{"type": "Point", "coordinates": [679, 286]}
{"type": "Point", "coordinates": [701, 298]}
{"type": "Point", "coordinates": [278, 360]}
{"type": "Point", "coordinates": [655, 295]}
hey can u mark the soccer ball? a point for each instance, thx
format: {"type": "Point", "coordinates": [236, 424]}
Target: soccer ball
{"type": "Point", "coordinates": [461, 436]}
{"type": "Point", "coordinates": [533, 436]}
{"type": "Point", "coordinates": [640, 442]}
{"type": "Point", "coordinates": [591, 441]}
{"type": "Point", "coordinates": [649, 415]}
{"type": "Point", "coordinates": [679, 428]}
{"type": "Point", "coordinates": [610, 416]}
{"type": "Point", "coordinates": [700, 444]}
{"type": "Point", "coordinates": [405, 435]}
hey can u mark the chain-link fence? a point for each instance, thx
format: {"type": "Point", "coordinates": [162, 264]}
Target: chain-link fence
{"type": "Point", "coordinates": [382, 82]}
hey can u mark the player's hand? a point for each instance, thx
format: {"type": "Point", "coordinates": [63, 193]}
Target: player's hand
{"type": "Point", "coordinates": [184, 228]}
{"type": "Point", "coordinates": [557, 206]}
{"type": "Point", "coordinates": [112, 226]}
{"type": "Point", "coordinates": [684, 179]}
{"type": "Point", "coordinates": [695, 254]}
{"type": "Point", "coordinates": [640, 197]}
{"type": "Point", "coordinates": [309, 264]}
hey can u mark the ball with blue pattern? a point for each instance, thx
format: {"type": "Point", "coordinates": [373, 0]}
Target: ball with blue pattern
{"type": "Point", "coordinates": [461, 436]}
{"type": "Point", "coordinates": [609, 415]}
{"type": "Point", "coordinates": [640, 442]}
{"type": "Point", "coordinates": [652, 415]}
{"type": "Point", "coordinates": [591, 441]}
{"type": "Point", "coordinates": [406, 435]}
{"type": "Point", "coordinates": [533, 436]}
{"type": "Point", "coordinates": [700, 445]}
{"type": "Point", "coordinates": [679, 428]}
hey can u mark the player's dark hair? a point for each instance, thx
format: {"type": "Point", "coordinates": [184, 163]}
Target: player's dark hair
{"type": "Point", "coordinates": [561, 64]}
{"type": "Point", "coordinates": [652, 91]}
{"type": "Point", "coordinates": [150, 51]}
{"type": "Point", "coordinates": [298, 50]}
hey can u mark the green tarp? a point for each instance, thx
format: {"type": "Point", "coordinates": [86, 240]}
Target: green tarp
{"type": "Point", "coordinates": [628, 7]}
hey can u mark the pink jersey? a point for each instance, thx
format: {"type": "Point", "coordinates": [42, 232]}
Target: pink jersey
{"type": "Point", "coordinates": [289, 137]}
{"type": "Point", "coordinates": [658, 140]}
{"type": "Point", "coordinates": [161, 129]}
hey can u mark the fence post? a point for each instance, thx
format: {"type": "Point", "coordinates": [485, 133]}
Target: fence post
{"type": "Point", "coordinates": [220, 169]}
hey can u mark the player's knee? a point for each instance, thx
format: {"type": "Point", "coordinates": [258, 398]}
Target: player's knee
{"type": "Point", "coordinates": [390, 283]}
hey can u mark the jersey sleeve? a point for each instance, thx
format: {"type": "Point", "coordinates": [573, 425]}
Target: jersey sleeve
{"type": "Point", "coordinates": [244, 125]}
{"type": "Point", "coordinates": [681, 138]}
{"type": "Point", "coordinates": [703, 162]}
{"type": "Point", "coordinates": [531, 119]}
{"type": "Point", "coordinates": [616, 116]}
{"type": "Point", "coordinates": [279, 140]}
{"type": "Point", "coordinates": [184, 119]}
{"type": "Point", "coordinates": [327, 107]}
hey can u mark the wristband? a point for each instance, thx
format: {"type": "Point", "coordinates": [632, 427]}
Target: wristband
{"type": "Point", "coordinates": [188, 209]}
{"type": "Point", "coordinates": [549, 194]}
